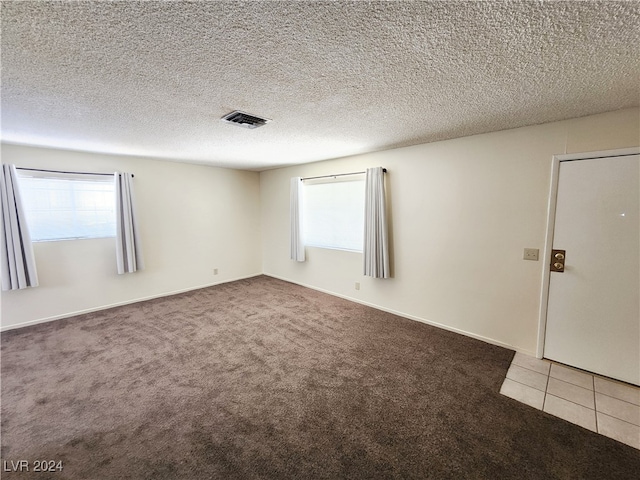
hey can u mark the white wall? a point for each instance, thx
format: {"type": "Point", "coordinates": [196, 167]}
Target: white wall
{"type": "Point", "coordinates": [462, 211]}
{"type": "Point", "coordinates": [193, 219]}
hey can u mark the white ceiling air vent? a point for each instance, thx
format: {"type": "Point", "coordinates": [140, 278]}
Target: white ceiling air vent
{"type": "Point", "coordinates": [244, 119]}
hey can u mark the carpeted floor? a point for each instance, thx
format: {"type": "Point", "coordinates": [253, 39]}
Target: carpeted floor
{"type": "Point", "coordinates": [265, 379]}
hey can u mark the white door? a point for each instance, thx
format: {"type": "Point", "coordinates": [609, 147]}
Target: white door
{"type": "Point", "coordinates": [593, 314]}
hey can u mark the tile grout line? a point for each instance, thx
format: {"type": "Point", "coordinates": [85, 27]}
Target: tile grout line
{"type": "Point", "coordinates": [616, 398]}
{"type": "Point", "coordinates": [567, 381]}
{"type": "Point", "coordinates": [545, 391]}
{"type": "Point", "coordinates": [523, 384]}
{"type": "Point", "coordinates": [595, 410]}
{"type": "Point", "coordinates": [576, 385]}
{"type": "Point", "coordinates": [594, 376]}
{"type": "Point", "coordinates": [620, 419]}
{"type": "Point", "coordinates": [593, 390]}
{"type": "Point", "coordinates": [546, 388]}
{"type": "Point", "coordinates": [512, 364]}
{"type": "Point", "coordinates": [571, 401]}
{"type": "Point", "coordinates": [595, 405]}
{"type": "Point", "coordinates": [530, 369]}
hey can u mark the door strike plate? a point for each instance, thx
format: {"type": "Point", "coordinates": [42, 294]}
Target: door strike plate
{"type": "Point", "coordinates": [558, 258]}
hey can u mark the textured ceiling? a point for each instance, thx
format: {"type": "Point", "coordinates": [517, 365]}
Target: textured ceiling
{"type": "Point", "coordinates": [336, 78]}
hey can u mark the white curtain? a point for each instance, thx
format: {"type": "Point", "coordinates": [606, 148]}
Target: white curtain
{"type": "Point", "coordinates": [295, 210]}
{"type": "Point", "coordinates": [128, 247]}
{"type": "Point", "coordinates": [18, 262]}
{"type": "Point", "coordinates": [376, 240]}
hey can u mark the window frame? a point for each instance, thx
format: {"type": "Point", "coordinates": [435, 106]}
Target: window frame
{"type": "Point", "coordinates": [26, 175]}
{"type": "Point", "coordinates": [353, 179]}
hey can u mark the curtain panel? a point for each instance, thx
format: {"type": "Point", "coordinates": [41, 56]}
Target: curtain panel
{"type": "Point", "coordinates": [376, 238]}
{"type": "Point", "coordinates": [295, 210]}
{"type": "Point", "coordinates": [18, 262]}
{"type": "Point", "coordinates": [128, 245]}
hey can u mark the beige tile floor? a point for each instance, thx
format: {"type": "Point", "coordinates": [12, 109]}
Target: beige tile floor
{"type": "Point", "coordinates": [600, 404]}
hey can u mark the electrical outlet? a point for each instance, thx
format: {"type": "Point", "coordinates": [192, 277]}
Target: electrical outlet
{"type": "Point", "coordinates": [531, 254]}
{"type": "Point", "coordinates": [357, 285]}
{"type": "Point", "coordinates": [215, 271]}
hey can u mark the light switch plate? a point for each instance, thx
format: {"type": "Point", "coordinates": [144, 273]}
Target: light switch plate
{"type": "Point", "coordinates": [531, 254]}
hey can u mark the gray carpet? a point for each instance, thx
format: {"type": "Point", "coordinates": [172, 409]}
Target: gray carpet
{"type": "Point", "coordinates": [261, 378]}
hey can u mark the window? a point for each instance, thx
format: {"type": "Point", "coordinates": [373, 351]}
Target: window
{"type": "Point", "coordinates": [68, 206]}
{"type": "Point", "coordinates": [334, 213]}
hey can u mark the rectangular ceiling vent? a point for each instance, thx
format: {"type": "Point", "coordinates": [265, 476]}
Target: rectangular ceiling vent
{"type": "Point", "coordinates": [244, 119]}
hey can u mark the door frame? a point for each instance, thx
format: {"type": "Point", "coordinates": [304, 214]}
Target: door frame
{"type": "Point", "coordinates": [551, 219]}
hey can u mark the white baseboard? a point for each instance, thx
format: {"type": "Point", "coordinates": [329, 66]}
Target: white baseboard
{"type": "Point", "coordinates": [119, 304]}
{"type": "Point", "coordinates": [492, 341]}
{"type": "Point", "coordinates": [351, 299]}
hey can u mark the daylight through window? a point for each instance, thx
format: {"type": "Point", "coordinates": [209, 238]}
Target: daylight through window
{"type": "Point", "coordinates": [334, 213]}
{"type": "Point", "coordinates": [68, 206]}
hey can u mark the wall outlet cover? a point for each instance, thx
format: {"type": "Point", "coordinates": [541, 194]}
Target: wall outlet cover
{"type": "Point", "coordinates": [531, 254]}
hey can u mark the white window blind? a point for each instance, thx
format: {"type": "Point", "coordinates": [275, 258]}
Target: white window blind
{"type": "Point", "coordinates": [68, 206]}
{"type": "Point", "coordinates": [334, 213]}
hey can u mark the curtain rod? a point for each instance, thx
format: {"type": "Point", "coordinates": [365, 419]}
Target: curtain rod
{"type": "Point", "coordinates": [60, 171]}
{"type": "Point", "coordinates": [337, 175]}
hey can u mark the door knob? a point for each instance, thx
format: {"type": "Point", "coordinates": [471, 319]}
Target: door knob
{"type": "Point", "coordinates": [558, 260]}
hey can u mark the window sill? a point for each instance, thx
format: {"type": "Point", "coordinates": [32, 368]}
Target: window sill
{"type": "Point", "coordinates": [334, 248]}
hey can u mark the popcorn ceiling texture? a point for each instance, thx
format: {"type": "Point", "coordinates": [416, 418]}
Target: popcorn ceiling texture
{"type": "Point", "coordinates": [336, 78]}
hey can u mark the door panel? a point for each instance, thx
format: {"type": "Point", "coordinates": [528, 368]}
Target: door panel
{"type": "Point", "coordinates": [593, 315]}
